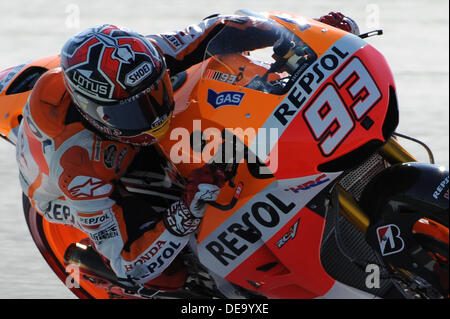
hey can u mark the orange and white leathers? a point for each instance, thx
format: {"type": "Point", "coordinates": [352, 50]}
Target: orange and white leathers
{"type": "Point", "coordinates": [68, 172]}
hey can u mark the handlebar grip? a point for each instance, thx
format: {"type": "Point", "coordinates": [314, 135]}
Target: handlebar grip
{"type": "Point", "coordinates": [232, 203]}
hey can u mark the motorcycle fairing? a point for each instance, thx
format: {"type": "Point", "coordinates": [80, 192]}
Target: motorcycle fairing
{"type": "Point", "coordinates": [15, 86]}
{"type": "Point", "coordinates": [292, 270]}
{"type": "Point", "coordinates": [353, 81]}
{"type": "Point", "coordinates": [259, 219]}
{"type": "Point", "coordinates": [273, 227]}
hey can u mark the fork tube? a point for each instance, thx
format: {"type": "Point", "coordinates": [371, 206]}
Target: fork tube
{"type": "Point", "coordinates": [395, 153]}
{"type": "Point", "coordinates": [350, 209]}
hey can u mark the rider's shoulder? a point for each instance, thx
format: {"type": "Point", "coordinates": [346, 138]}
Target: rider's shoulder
{"type": "Point", "coordinates": [49, 103]}
{"type": "Point", "coordinates": [50, 89]}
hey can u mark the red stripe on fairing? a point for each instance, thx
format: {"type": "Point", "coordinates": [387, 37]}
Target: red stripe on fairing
{"type": "Point", "coordinates": [36, 150]}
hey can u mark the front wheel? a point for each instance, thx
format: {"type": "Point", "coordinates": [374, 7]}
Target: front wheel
{"type": "Point", "coordinates": [408, 209]}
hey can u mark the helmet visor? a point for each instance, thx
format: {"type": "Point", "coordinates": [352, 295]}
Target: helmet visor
{"type": "Point", "coordinates": [142, 112]}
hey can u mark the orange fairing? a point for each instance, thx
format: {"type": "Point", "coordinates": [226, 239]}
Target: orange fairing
{"type": "Point", "coordinates": [11, 105]}
{"type": "Point", "coordinates": [331, 100]}
{"type": "Point", "coordinates": [431, 228]}
{"type": "Point", "coordinates": [335, 103]}
{"type": "Point", "coordinates": [237, 69]}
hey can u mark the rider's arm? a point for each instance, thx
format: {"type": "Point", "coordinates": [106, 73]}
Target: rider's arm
{"type": "Point", "coordinates": [122, 227]}
{"type": "Point", "coordinates": [185, 48]}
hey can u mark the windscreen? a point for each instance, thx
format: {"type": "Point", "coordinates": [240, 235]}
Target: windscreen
{"type": "Point", "coordinates": [257, 53]}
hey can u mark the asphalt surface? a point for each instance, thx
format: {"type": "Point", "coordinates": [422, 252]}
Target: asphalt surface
{"type": "Point", "coordinates": [415, 43]}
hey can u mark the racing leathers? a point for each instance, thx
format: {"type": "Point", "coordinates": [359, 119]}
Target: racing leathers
{"type": "Point", "coordinates": [71, 173]}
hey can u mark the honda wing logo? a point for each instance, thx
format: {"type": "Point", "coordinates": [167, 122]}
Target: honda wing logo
{"type": "Point", "coordinates": [389, 239]}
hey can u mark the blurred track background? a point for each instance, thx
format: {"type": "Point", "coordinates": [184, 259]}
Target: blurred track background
{"type": "Point", "coordinates": [415, 43]}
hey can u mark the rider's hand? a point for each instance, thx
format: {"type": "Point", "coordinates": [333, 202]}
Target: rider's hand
{"type": "Point", "coordinates": [338, 20]}
{"type": "Point", "coordinates": [203, 184]}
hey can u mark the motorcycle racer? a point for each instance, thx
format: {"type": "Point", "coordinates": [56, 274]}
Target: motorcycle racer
{"type": "Point", "coordinates": [87, 122]}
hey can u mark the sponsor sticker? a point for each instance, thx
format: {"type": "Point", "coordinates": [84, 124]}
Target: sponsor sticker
{"type": "Point", "coordinates": [389, 239]}
{"type": "Point", "coordinates": [110, 156]}
{"type": "Point", "coordinates": [153, 262]}
{"type": "Point", "coordinates": [149, 254]}
{"type": "Point", "coordinates": [120, 158]}
{"type": "Point", "coordinates": [107, 233]}
{"type": "Point", "coordinates": [56, 212]}
{"type": "Point", "coordinates": [255, 223]}
{"type": "Point", "coordinates": [135, 77]}
{"type": "Point", "coordinates": [85, 187]}
{"type": "Point", "coordinates": [220, 76]}
{"type": "Point", "coordinates": [440, 188]}
{"type": "Point", "coordinates": [309, 184]}
{"type": "Point", "coordinates": [97, 221]}
{"type": "Point", "coordinates": [231, 98]}
{"type": "Point", "coordinates": [174, 41]}
{"type": "Point", "coordinates": [292, 232]}
{"type": "Point", "coordinates": [82, 79]}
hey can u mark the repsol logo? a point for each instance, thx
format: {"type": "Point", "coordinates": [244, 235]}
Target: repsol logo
{"type": "Point", "coordinates": [235, 240]}
{"type": "Point", "coordinates": [440, 188]}
{"type": "Point", "coordinates": [139, 74]}
{"type": "Point", "coordinates": [160, 255]}
{"type": "Point", "coordinates": [308, 83]}
{"type": "Point", "coordinates": [96, 220]}
{"type": "Point", "coordinates": [91, 86]}
{"type": "Point", "coordinates": [149, 254]}
{"type": "Point", "coordinates": [61, 213]}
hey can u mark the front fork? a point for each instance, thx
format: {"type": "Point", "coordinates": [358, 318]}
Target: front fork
{"type": "Point", "coordinates": [394, 153]}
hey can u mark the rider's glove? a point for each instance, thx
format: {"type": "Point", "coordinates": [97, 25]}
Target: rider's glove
{"type": "Point", "coordinates": [203, 184]}
{"type": "Point", "coordinates": [338, 20]}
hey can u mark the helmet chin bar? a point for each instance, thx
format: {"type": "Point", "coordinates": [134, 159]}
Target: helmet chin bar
{"type": "Point", "coordinates": [143, 139]}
